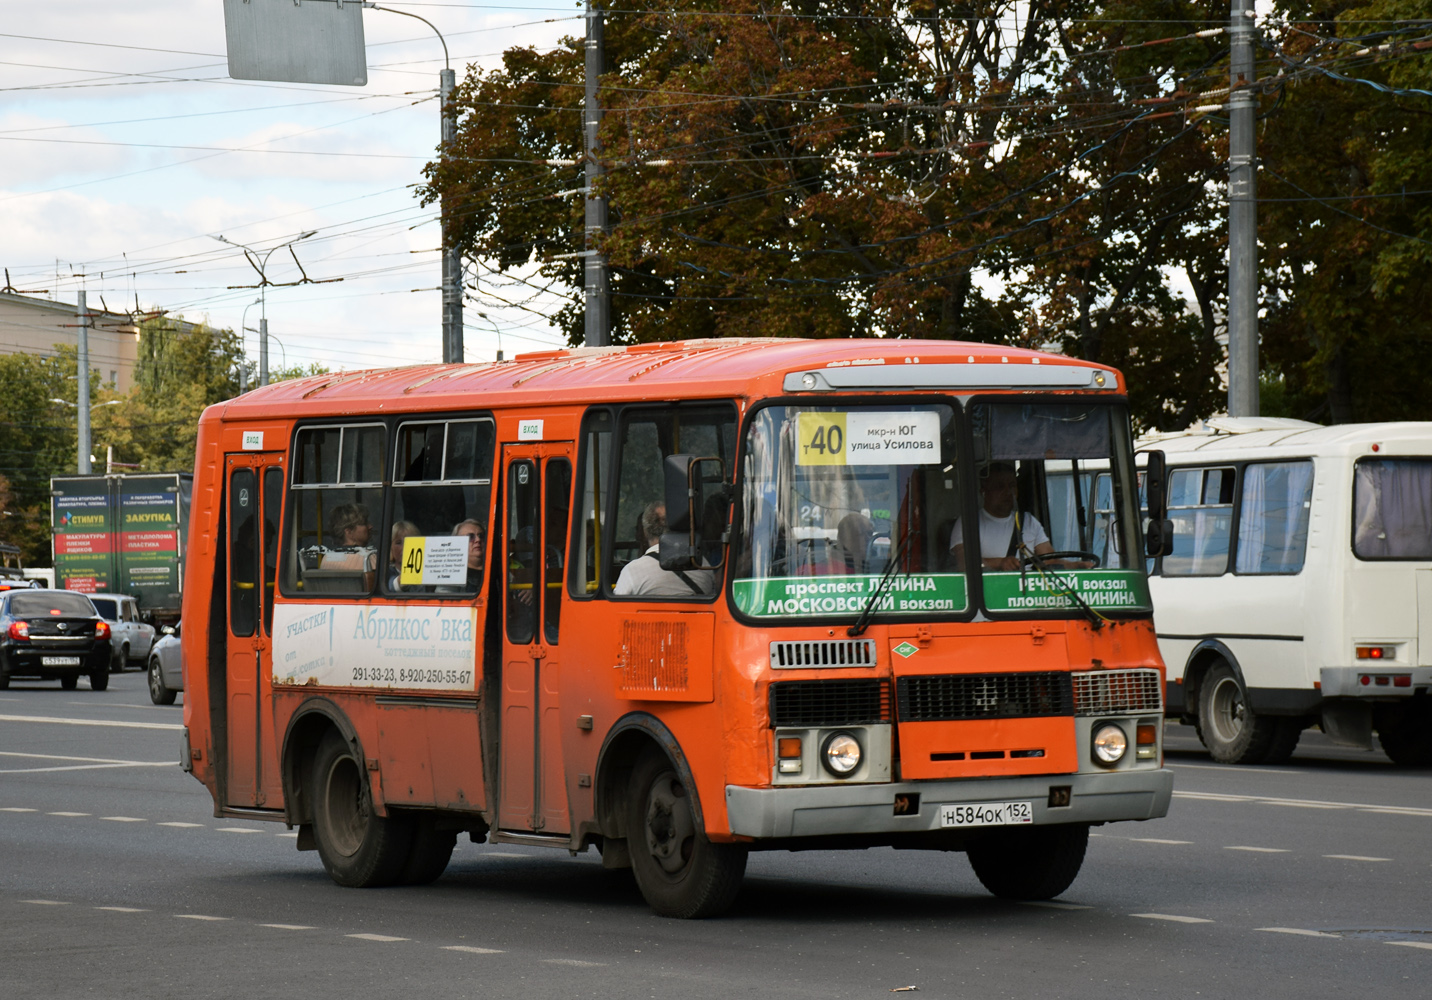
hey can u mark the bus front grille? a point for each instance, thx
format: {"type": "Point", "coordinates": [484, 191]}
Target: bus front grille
{"type": "Point", "coordinates": [954, 697]}
{"type": "Point", "coordinates": [829, 703]}
{"type": "Point", "coordinates": [1117, 692]}
{"type": "Point", "coordinates": [822, 653]}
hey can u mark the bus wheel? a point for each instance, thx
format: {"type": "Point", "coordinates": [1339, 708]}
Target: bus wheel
{"type": "Point", "coordinates": [1231, 731]}
{"type": "Point", "coordinates": [1030, 862]}
{"type": "Point", "coordinates": [1405, 734]}
{"type": "Point", "coordinates": [358, 848]}
{"type": "Point", "coordinates": [680, 872]}
{"type": "Point", "coordinates": [428, 857]}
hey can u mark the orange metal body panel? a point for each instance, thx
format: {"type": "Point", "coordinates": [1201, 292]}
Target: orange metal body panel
{"type": "Point", "coordinates": [432, 756]}
{"type": "Point", "coordinates": [922, 743]}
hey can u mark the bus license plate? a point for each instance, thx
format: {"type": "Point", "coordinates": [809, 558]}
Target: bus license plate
{"type": "Point", "coordinates": [987, 814]}
{"type": "Point", "coordinates": [60, 661]}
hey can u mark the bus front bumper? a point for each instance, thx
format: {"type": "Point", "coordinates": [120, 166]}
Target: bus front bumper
{"type": "Point", "coordinates": [826, 810]}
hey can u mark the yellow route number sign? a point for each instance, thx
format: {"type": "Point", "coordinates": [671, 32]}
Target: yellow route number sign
{"type": "Point", "coordinates": [868, 437]}
{"type": "Point", "coordinates": [821, 438]}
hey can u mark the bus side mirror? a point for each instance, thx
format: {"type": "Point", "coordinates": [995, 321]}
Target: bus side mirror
{"type": "Point", "coordinates": [1158, 539]}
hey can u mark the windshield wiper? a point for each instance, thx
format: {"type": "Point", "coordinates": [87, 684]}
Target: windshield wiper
{"type": "Point", "coordinates": [1066, 588]}
{"type": "Point", "coordinates": [868, 612]}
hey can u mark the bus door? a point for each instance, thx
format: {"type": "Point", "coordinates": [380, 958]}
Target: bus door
{"type": "Point", "coordinates": [537, 488]}
{"type": "Point", "coordinates": [255, 495]}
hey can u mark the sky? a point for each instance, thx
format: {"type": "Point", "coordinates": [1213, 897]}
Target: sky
{"type": "Point", "coordinates": [125, 148]}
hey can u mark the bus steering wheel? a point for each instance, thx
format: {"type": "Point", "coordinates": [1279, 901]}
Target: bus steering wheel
{"type": "Point", "coordinates": [1079, 554]}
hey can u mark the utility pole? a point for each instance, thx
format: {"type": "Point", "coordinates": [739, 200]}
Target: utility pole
{"type": "Point", "coordinates": [597, 282]}
{"type": "Point", "coordinates": [452, 257]}
{"type": "Point", "coordinates": [1242, 218]}
{"type": "Point", "coordinates": [82, 414]}
{"type": "Point", "coordinates": [263, 350]}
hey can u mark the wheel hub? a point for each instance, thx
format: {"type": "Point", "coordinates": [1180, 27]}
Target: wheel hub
{"type": "Point", "coordinates": [670, 828]}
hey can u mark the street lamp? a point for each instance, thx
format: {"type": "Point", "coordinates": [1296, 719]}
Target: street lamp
{"type": "Point", "coordinates": [259, 266]}
{"type": "Point", "coordinates": [83, 458]}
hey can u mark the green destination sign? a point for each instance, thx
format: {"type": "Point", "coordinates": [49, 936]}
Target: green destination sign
{"type": "Point", "coordinates": [1104, 590]}
{"type": "Point", "coordinates": [800, 596]}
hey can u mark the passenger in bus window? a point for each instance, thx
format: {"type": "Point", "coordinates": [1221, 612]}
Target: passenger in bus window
{"type": "Point", "coordinates": [1000, 548]}
{"type": "Point", "coordinates": [402, 530]}
{"type": "Point", "coordinates": [474, 532]}
{"type": "Point", "coordinates": [850, 554]}
{"type": "Point", "coordinates": [644, 577]}
{"type": "Point", "coordinates": [352, 535]}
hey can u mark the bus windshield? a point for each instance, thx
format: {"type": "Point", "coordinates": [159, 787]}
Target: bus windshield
{"type": "Point", "coordinates": [836, 497]}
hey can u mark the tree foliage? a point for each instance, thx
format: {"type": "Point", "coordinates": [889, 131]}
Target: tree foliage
{"type": "Point", "coordinates": [1025, 173]}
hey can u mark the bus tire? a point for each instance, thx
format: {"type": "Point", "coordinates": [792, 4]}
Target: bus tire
{"type": "Point", "coordinates": [159, 693]}
{"type": "Point", "coordinates": [429, 854]}
{"type": "Point", "coordinates": [359, 848]}
{"type": "Point", "coordinates": [1030, 862]}
{"type": "Point", "coordinates": [1233, 733]}
{"type": "Point", "coordinates": [679, 871]}
{"type": "Point", "coordinates": [1405, 735]}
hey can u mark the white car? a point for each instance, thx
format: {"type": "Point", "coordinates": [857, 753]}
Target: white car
{"type": "Point", "coordinates": [130, 638]}
{"type": "Point", "coordinates": [166, 667]}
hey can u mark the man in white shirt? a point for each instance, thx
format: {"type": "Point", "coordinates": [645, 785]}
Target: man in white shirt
{"type": "Point", "coordinates": [998, 548]}
{"type": "Point", "coordinates": [644, 577]}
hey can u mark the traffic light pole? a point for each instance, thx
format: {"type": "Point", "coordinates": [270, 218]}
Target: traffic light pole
{"type": "Point", "coordinates": [1242, 218]}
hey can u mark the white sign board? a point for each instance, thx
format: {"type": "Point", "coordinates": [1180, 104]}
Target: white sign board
{"type": "Point", "coordinates": [865, 437]}
{"type": "Point", "coordinates": [296, 41]}
{"type": "Point", "coordinates": [417, 646]}
{"type": "Point", "coordinates": [529, 430]}
{"type": "Point", "coordinates": [434, 560]}
{"type": "Point", "coordinates": [253, 440]}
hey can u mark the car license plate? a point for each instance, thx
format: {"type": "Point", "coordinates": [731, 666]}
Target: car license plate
{"type": "Point", "coordinates": [987, 814]}
{"type": "Point", "coordinates": [60, 661]}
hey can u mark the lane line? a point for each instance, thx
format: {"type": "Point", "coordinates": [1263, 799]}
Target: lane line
{"type": "Point", "coordinates": [184, 826]}
{"type": "Point", "coordinates": [87, 767]}
{"type": "Point", "coordinates": [385, 938]}
{"type": "Point", "coordinates": [470, 950]}
{"type": "Point", "coordinates": [1354, 857]}
{"type": "Point", "coordinates": [578, 963]}
{"type": "Point", "coordinates": [123, 819]}
{"type": "Point", "coordinates": [291, 835]}
{"type": "Point", "coordinates": [16, 809]}
{"type": "Point", "coordinates": [1159, 840]}
{"type": "Point", "coordinates": [288, 927]}
{"type": "Point", "coordinates": [85, 760]}
{"type": "Point", "coordinates": [1411, 944]}
{"type": "Point", "coordinates": [66, 814]}
{"type": "Point", "coordinates": [506, 854]}
{"type": "Point", "coordinates": [1257, 850]}
{"type": "Point", "coordinates": [1272, 800]}
{"type": "Point", "coordinates": [1297, 930]}
{"type": "Point", "coordinates": [1173, 917]}
{"type": "Point", "coordinates": [1050, 904]}
{"type": "Point", "coordinates": [1238, 768]}
{"type": "Point", "coordinates": [198, 916]}
{"type": "Point", "coordinates": [121, 909]}
{"type": "Point", "coordinates": [59, 721]}
{"type": "Point", "coordinates": [237, 829]}
{"type": "Point", "coordinates": [45, 902]}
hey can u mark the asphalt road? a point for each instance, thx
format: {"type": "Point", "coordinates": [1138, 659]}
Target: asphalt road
{"type": "Point", "coordinates": [1305, 880]}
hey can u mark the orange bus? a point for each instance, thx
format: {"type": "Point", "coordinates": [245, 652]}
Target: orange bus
{"type": "Point", "coordinates": [679, 602]}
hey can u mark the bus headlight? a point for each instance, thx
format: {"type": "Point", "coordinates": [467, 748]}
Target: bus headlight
{"type": "Point", "coordinates": [1109, 744]}
{"type": "Point", "coordinates": [840, 754]}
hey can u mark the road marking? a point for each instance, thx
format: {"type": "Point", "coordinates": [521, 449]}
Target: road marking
{"type": "Point", "coordinates": [1297, 930]}
{"type": "Point", "coordinates": [184, 826]}
{"type": "Point", "coordinates": [16, 809]}
{"type": "Point", "coordinates": [197, 916]}
{"type": "Point", "coordinates": [469, 949]}
{"type": "Point", "coordinates": [1236, 768]}
{"type": "Point", "coordinates": [377, 937]}
{"type": "Point", "coordinates": [124, 819]}
{"type": "Point", "coordinates": [1050, 904]}
{"type": "Point", "coordinates": [45, 902]}
{"type": "Point", "coordinates": [87, 767]}
{"type": "Point", "coordinates": [575, 962]}
{"type": "Point", "coordinates": [66, 814]}
{"type": "Point", "coordinates": [1354, 857]}
{"type": "Point", "coordinates": [237, 829]}
{"type": "Point", "coordinates": [85, 760]}
{"type": "Point", "coordinates": [504, 854]}
{"type": "Point", "coordinates": [1411, 944]}
{"type": "Point", "coordinates": [1157, 840]}
{"type": "Point", "coordinates": [292, 834]}
{"type": "Point", "coordinates": [56, 720]}
{"type": "Point", "coordinates": [121, 909]}
{"type": "Point", "coordinates": [1257, 850]}
{"type": "Point", "coordinates": [288, 927]}
{"type": "Point", "coordinates": [1308, 803]}
{"type": "Point", "coordinates": [1172, 916]}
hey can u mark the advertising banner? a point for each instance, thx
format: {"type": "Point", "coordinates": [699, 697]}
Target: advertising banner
{"type": "Point", "coordinates": [149, 542]}
{"type": "Point", "coordinates": [84, 543]}
{"type": "Point", "coordinates": [432, 647]}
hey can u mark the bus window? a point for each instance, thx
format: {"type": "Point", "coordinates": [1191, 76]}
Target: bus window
{"type": "Point", "coordinates": [442, 487]}
{"type": "Point", "coordinates": [1273, 517]}
{"type": "Point", "coordinates": [335, 499]}
{"type": "Point", "coordinates": [559, 502]}
{"type": "Point", "coordinates": [523, 551]}
{"type": "Point", "coordinates": [243, 553]}
{"type": "Point", "coordinates": [595, 471]}
{"type": "Point", "coordinates": [1200, 504]}
{"type": "Point", "coordinates": [645, 439]}
{"type": "Point", "coordinates": [1392, 508]}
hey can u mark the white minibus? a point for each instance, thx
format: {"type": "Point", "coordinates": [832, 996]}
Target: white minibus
{"type": "Point", "coordinates": [1298, 587]}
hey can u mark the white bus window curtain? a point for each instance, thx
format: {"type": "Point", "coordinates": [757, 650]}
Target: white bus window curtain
{"type": "Point", "coordinates": [1273, 518]}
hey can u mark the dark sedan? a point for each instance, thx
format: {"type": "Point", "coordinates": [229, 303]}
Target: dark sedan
{"type": "Point", "coordinates": [53, 634]}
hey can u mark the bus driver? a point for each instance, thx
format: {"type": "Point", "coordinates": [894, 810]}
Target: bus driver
{"type": "Point", "coordinates": [999, 546]}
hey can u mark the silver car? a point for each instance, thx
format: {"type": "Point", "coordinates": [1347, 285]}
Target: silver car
{"type": "Point", "coordinates": [166, 667]}
{"type": "Point", "coordinates": [130, 639]}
